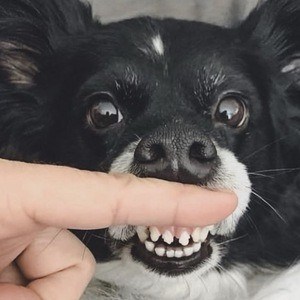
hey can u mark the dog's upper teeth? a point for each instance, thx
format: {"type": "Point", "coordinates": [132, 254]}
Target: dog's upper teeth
{"type": "Point", "coordinates": [189, 238]}
{"type": "Point", "coordinates": [168, 237]}
{"type": "Point", "coordinates": [196, 234]}
{"type": "Point", "coordinates": [184, 238]}
{"type": "Point", "coordinates": [143, 233]}
{"type": "Point", "coordinates": [213, 229]}
{"type": "Point", "coordinates": [154, 234]}
{"type": "Point", "coordinates": [204, 233]}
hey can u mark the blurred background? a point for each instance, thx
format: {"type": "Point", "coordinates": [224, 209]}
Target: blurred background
{"type": "Point", "coordinates": [222, 12]}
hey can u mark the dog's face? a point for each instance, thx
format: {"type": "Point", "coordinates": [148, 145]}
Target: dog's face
{"type": "Point", "coordinates": [177, 115]}
{"type": "Point", "coordinates": [181, 101]}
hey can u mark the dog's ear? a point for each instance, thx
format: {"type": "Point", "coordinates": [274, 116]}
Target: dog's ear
{"type": "Point", "coordinates": [22, 47]}
{"type": "Point", "coordinates": [273, 28]}
{"type": "Point", "coordinates": [272, 34]}
{"type": "Point", "coordinates": [29, 33]}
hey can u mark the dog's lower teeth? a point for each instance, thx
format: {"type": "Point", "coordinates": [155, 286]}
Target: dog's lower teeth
{"type": "Point", "coordinates": [178, 253]}
{"type": "Point", "coordinates": [197, 247]}
{"type": "Point", "coordinates": [188, 251]}
{"type": "Point", "coordinates": [170, 253]}
{"type": "Point", "coordinates": [160, 251]}
{"type": "Point", "coordinates": [149, 246]}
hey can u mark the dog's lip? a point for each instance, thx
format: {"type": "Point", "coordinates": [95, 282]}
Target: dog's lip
{"type": "Point", "coordinates": [170, 266]}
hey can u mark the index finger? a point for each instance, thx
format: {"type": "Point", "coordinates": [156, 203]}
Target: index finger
{"type": "Point", "coordinates": [71, 198]}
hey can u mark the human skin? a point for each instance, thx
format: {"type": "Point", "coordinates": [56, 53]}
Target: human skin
{"type": "Point", "coordinates": [40, 259]}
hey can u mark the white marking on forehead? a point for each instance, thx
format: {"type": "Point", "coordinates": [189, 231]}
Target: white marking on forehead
{"type": "Point", "coordinates": [158, 45]}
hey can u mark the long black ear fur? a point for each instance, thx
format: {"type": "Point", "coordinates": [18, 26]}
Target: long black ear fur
{"type": "Point", "coordinates": [30, 32]}
{"type": "Point", "coordinates": [272, 31]}
{"type": "Point", "coordinates": [274, 27]}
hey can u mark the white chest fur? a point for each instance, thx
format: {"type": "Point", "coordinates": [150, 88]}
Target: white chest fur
{"type": "Point", "coordinates": [231, 285]}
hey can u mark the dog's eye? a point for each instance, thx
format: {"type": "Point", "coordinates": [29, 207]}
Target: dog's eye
{"type": "Point", "coordinates": [231, 111]}
{"type": "Point", "coordinates": [103, 113]}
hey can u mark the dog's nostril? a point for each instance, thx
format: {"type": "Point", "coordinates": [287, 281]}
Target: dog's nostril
{"type": "Point", "coordinates": [203, 152]}
{"type": "Point", "coordinates": [149, 153]}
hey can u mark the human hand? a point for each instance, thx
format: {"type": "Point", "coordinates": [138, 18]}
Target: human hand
{"type": "Point", "coordinates": [40, 259]}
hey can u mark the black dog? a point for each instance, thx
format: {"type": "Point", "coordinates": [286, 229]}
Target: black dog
{"type": "Point", "coordinates": [183, 101]}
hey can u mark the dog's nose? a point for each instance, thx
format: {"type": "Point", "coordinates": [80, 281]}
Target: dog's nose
{"type": "Point", "coordinates": [185, 155]}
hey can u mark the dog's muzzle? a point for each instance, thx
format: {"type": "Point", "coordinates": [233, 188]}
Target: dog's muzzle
{"type": "Point", "coordinates": [183, 154]}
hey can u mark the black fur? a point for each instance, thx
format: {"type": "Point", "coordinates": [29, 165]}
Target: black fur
{"type": "Point", "coordinates": [53, 55]}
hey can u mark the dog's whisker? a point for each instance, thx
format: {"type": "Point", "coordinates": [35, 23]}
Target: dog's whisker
{"type": "Point", "coordinates": [278, 170]}
{"type": "Point", "coordinates": [233, 239]}
{"type": "Point", "coordinates": [202, 282]}
{"type": "Point", "coordinates": [252, 223]}
{"type": "Point", "coordinates": [269, 205]}
{"type": "Point", "coordinates": [106, 239]}
{"type": "Point", "coordinates": [230, 276]}
{"type": "Point", "coordinates": [263, 148]}
{"type": "Point", "coordinates": [188, 286]}
{"type": "Point", "coordinates": [86, 246]}
{"type": "Point", "coordinates": [84, 236]}
{"type": "Point", "coordinates": [99, 237]}
{"type": "Point", "coordinates": [137, 137]}
{"type": "Point", "coordinates": [260, 175]}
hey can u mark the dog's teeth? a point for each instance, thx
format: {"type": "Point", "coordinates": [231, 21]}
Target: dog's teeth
{"type": "Point", "coordinates": [203, 233]}
{"type": "Point", "coordinates": [178, 253]}
{"type": "Point", "coordinates": [154, 234]}
{"type": "Point", "coordinates": [188, 251]}
{"type": "Point", "coordinates": [142, 233]}
{"type": "Point", "coordinates": [149, 246]}
{"type": "Point", "coordinates": [168, 237]}
{"type": "Point", "coordinates": [196, 235]}
{"type": "Point", "coordinates": [213, 229]}
{"type": "Point", "coordinates": [170, 253]}
{"type": "Point", "coordinates": [184, 239]}
{"type": "Point", "coordinates": [160, 251]}
{"type": "Point", "coordinates": [197, 247]}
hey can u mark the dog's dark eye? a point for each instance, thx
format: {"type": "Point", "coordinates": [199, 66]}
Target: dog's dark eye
{"type": "Point", "coordinates": [103, 113]}
{"type": "Point", "coordinates": [231, 111]}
